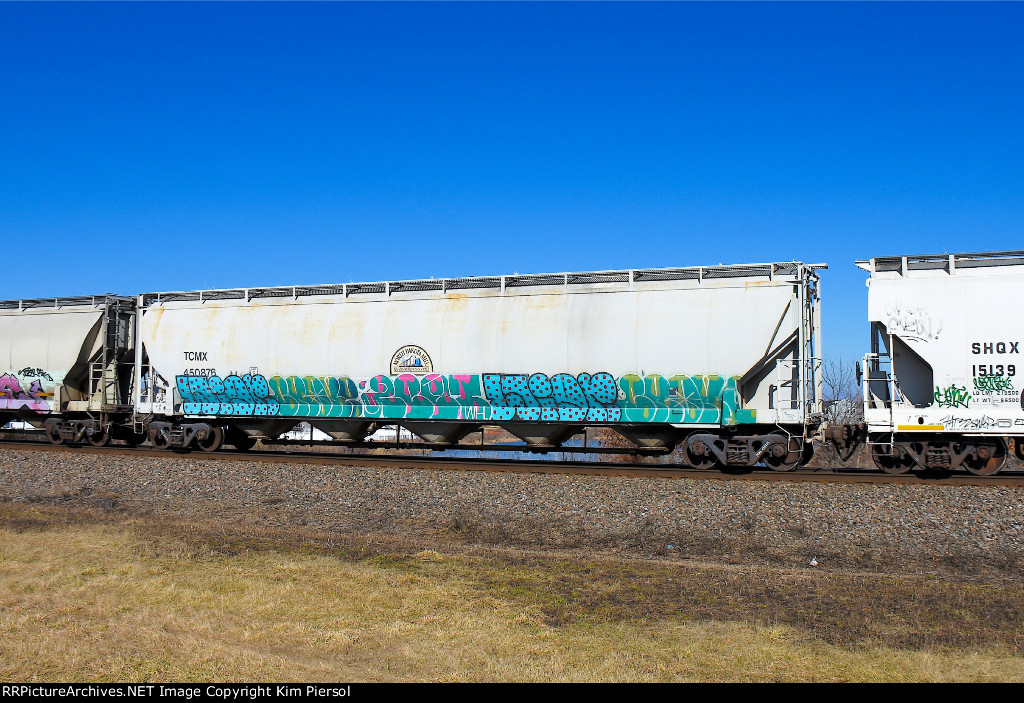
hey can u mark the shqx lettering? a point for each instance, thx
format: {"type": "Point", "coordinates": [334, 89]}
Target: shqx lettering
{"type": "Point", "coordinates": [195, 356]}
{"type": "Point", "coordinates": [995, 348]}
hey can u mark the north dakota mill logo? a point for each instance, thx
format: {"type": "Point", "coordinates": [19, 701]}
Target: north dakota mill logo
{"type": "Point", "coordinates": [411, 359]}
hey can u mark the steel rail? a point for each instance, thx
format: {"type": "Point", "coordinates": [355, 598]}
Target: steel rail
{"type": "Point", "coordinates": [535, 466]}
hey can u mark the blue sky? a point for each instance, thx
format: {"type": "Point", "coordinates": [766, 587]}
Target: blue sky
{"type": "Point", "coordinates": [177, 146]}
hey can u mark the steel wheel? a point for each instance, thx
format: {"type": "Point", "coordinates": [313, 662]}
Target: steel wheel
{"type": "Point", "coordinates": [98, 439]}
{"type": "Point", "coordinates": [213, 439]}
{"type": "Point", "coordinates": [53, 434]}
{"type": "Point", "coordinates": [698, 454]}
{"type": "Point", "coordinates": [158, 440]}
{"type": "Point", "coordinates": [784, 453]}
{"type": "Point", "coordinates": [888, 461]}
{"type": "Point", "coordinates": [989, 459]}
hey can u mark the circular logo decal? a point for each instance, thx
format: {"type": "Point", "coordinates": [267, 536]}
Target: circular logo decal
{"type": "Point", "coordinates": [411, 359]}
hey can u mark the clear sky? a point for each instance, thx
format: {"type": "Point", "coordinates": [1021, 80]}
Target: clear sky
{"type": "Point", "coordinates": [177, 146]}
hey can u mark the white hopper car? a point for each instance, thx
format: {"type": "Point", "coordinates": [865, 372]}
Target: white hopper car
{"type": "Point", "coordinates": [723, 360]}
{"type": "Point", "coordinates": [67, 363]}
{"type": "Point", "coordinates": [942, 382]}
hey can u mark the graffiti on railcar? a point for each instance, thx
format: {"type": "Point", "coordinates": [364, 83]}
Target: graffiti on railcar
{"type": "Point", "coordinates": [560, 398]}
{"type": "Point", "coordinates": [912, 322]}
{"type": "Point", "coordinates": [430, 397]}
{"type": "Point", "coordinates": [706, 399]}
{"type": "Point", "coordinates": [402, 396]}
{"type": "Point", "coordinates": [994, 390]}
{"type": "Point", "coordinates": [961, 424]}
{"type": "Point", "coordinates": [993, 383]}
{"type": "Point", "coordinates": [597, 398]}
{"type": "Point", "coordinates": [952, 396]}
{"type": "Point", "coordinates": [316, 396]}
{"type": "Point", "coordinates": [233, 395]}
{"type": "Point", "coordinates": [14, 395]}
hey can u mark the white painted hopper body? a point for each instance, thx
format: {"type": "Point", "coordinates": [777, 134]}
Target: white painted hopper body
{"type": "Point", "coordinates": [629, 346]}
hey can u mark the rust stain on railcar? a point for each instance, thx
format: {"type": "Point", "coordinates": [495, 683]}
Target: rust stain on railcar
{"type": "Point", "coordinates": [454, 319]}
{"type": "Point", "coordinates": [455, 302]}
{"type": "Point", "coordinates": [531, 304]}
{"type": "Point", "coordinates": [157, 315]}
{"type": "Point", "coordinates": [348, 321]}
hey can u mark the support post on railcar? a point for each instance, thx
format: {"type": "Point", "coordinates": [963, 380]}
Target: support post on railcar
{"type": "Point", "coordinates": [137, 423]}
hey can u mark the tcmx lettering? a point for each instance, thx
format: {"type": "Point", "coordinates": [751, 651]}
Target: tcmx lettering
{"type": "Point", "coordinates": [195, 356]}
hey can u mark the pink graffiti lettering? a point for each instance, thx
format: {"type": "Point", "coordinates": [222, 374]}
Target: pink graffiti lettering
{"type": "Point", "coordinates": [14, 397]}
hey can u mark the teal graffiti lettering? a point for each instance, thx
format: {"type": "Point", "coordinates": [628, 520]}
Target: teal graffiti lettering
{"type": "Point", "coordinates": [404, 396]}
{"type": "Point", "coordinates": [592, 398]}
{"type": "Point", "coordinates": [233, 395]}
{"type": "Point", "coordinates": [559, 398]}
{"type": "Point", "coordinates": [682, 399]}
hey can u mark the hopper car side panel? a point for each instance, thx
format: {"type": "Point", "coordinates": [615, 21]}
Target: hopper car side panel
{"type": "Point", "coordinates": [38, 352]}
{"type": "Point", "coordinates": [552, 357]}
{"type": "Point", "coordinates": [723, 359]}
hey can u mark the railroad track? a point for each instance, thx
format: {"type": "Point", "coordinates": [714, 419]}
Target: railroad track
{"type": "Point", "coordinates": [546, 466]}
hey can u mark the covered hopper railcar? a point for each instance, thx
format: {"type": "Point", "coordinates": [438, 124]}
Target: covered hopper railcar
{"type": "Point", "coordinates": [942, 383]}
{"type": "Point", "coordinates": [68, 365]}
{"type": "Point", "coordinates": [722, 361]}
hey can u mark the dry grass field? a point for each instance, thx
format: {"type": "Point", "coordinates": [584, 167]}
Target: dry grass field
{"type": "Point", "coordinates": [93, 595]}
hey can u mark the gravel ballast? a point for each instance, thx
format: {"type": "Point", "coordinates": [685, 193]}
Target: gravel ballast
{"type": "Point", "coordinates": [962, 527]}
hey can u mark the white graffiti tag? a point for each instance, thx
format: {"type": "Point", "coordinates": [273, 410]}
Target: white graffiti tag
{"type": "Point", "coordinates": [973, 423]}
{"type": "Point", "coordinates": [912, 322]}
